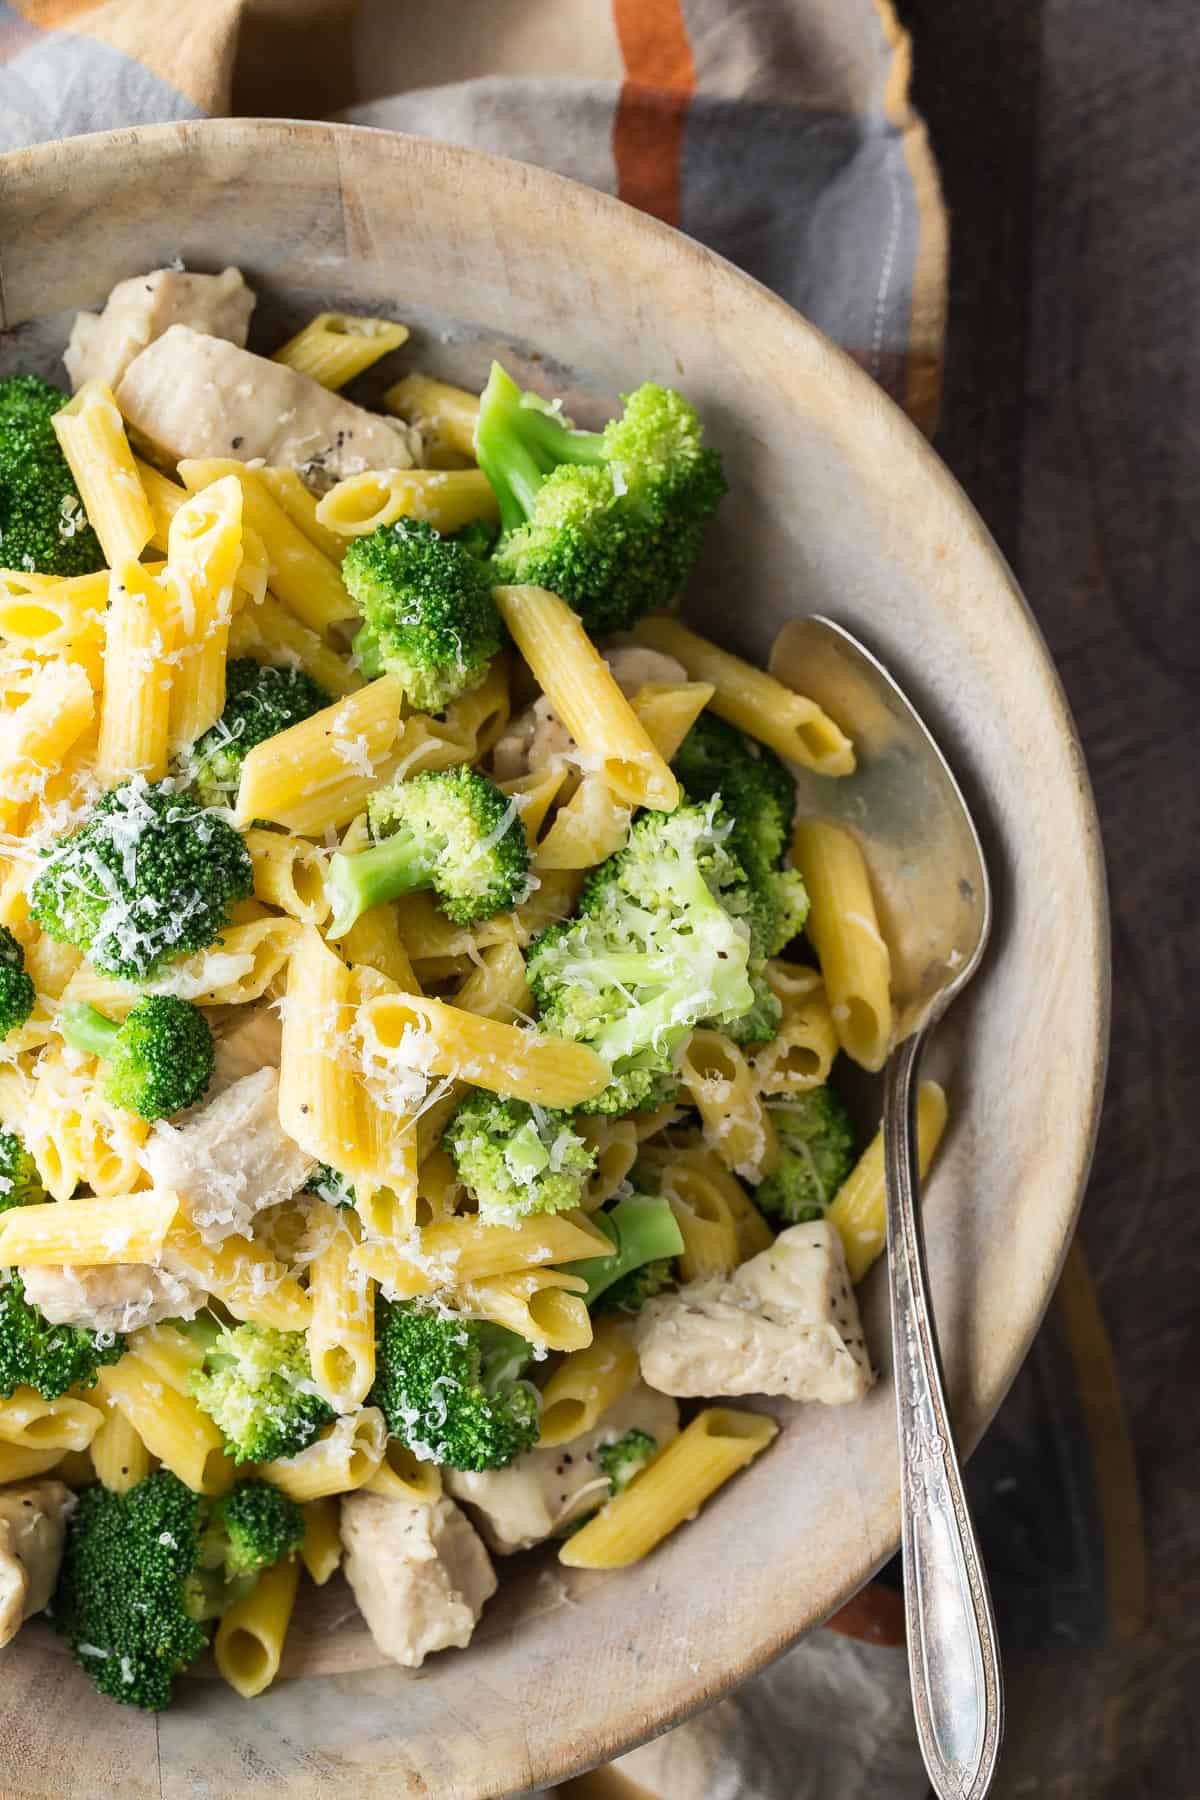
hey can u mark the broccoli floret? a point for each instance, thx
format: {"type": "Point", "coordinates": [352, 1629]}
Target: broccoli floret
{"type": "Point", "coordinates": [260, 702]}
{"type": "Point", "coordinates": [611, 520]}
{"type": "Point", "coordinates": [160, 1060]}
{"type": "Point", "coordinates": [148, 877]}
{"type": "Point", "coordinates": [256, 1386]}
{"type": "Point", "coordinates": [329, 1186]}
{"type": "Point", "coordinates": [816, 1153]}
{"type": "Point", "coordinates": [428, 613]}
{"type": "Point", "coordinates": [20, 1182]}
{"type": "Point", "coordinates": [517, 1159]}
{"type": "Point", "coordinates": [625, 1458]}
{"type": "Point", "coordinates": [451, 830]}
{"type": "Point", "coordinates": [449, 1387]}
{"type": "Point", "coordinates": [16, 984]}
{"type": "Point", "coordinates": [143, 1570]}
{"type": "Point", "coordinates": [632, 1291]}
{"type": "Point", "coordinates": [43, 525]}
{"type": "Point", "coordinates": [643, 1230]}
{"type": "Point", "coordinates": [653, 950]}
{"type": "Point", "coordinates": [479, 537]}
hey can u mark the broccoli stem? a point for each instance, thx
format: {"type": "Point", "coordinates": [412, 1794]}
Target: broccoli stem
{"type": "Point", "coordinates": [357, 883]}
{"type": "Point", "coordinates": [518, 444]}
{"type": "Point", "coordinates": [643, 1229]}
{"type": "Point", "coordinates": [86, 1029]}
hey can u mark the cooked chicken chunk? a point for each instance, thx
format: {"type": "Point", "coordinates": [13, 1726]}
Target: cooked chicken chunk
{"type": "Point", "coordinates": [190, 394]}
{"type": "Point", "coordinates": [116, 1297]}
{"type": "Point", "coordinates": [33, 1522]}
{"type": "Point", "coordinates": [248, 1039]}
{"type": "Point", "coordinates": [537, 737]}
{"type": "Point", "coordinates": [230, 1159]}
{"type": "Point", "coordinates": [137, 311]}
{"type": "Point", "coordinates": [786, 1322]}
{"type": "Point", "coordinates": [419, 1573]}
{"type": "Point", "coordinates": [545, 1489]}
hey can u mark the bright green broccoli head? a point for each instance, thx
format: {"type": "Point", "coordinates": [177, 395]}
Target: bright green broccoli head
{"type": "Point", "coordinates": [122, 1589]}
{"type": "Point", "coordinates": [517, 1159]}
{"type": "Point", "coordinates": [255, 1526]}
{"type": "Point", "coordinates": [428, 613]}
{"type": "Point", "coordinates": [16, 985]}
{"type": "Point", "coordinates": [816, 1153]}
{"type": "Point", "coordinates": [449, 1389]}
{"type": "Point", "coordinates": [147, 878]}
{"type": "Point", "coordinates": [256, 1385]}
{"type": "Point", "coordinates": [653, 950]}
{"type": "Point", "coordinates": [613, 520]}
{"type": "Point", "coordinates": [159, 1061]}
{"type": "Point", "coordinates": [20, 1183]}
{"type": "Point", "coordinates": [644, 1233]}
{"type": "Point", "coordinates": [626, 1457]}
{"type": "Point", "coordinates": [48, 1358]}
{"type": "Point", "coordinates": [43, 526]}
{"type": "Point", "coordinates": [450, 830]}
{"type": "Point", "coordinates": [260, 702]}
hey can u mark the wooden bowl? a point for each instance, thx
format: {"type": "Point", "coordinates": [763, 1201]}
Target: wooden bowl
{"type": "Point", "coordinates": [837, 505]}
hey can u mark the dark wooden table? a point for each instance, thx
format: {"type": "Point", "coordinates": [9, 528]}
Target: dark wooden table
{"type": "Point", "coordinates": [1068, 133]}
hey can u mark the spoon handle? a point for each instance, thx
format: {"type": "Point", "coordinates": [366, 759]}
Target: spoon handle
{"type": "Point", "coordinates": [957, 1689]}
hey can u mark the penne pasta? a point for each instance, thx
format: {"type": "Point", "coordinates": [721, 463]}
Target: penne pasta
{"type": "Point", "coordinates": [543, 1306]}
{"type": "Point", "coordinates": [446, 415]}
{"type": "Point", "coordinates": [204, 554]}
{"type": "Point", "coordinates": [243, 1275]}
{"type": "Point", "coordinates": [345, 1456]}
{"type": "Point", "coordinates": [496, 987]}
{"type": "Point", "coordinates": [858, 1210]}
{"type": "Point", "coordinates": [321, 1551]}
{"type": "Point", "coordinates": [591, 826]}
{"type": "Point", "coordinates": [587, 1383]}
{"type": "Point", "coordinates": [31, 1423]}
{"type": "Point", "coordinates": [669, 709]}
{"type": "Point", "coordinates": [268, 632]}
{"type": "Point", "coordinates": [718, 1442]}
{"type": "Point", "coordinates": [122, 1228]}
{"type": "Point", "coordinates": [17, 1463]}
{"type": "Point", "coordinates": [248, 1642]}
{"type": "Point", "coordinates": [404, 1476]}
{"type": "Point", "coordinates": [795, 728]}
{"type": "Point", "coordinates": [801, 1053]}
{"type": "Point", "coordinates": [334, 347]}
{"type": "Point", "coordinates": [91, 433]}
{"type": "Point", "coordinates": [615, 1143]}
{"type": "Point", "coordinates": [319, 772]}
{"type": "Point", "coordinates": [286, 487]}
{"type": "Point", "coordinates": [843, 927]}
{"type": "Point", "coordinates": [737, 1126]}
{"type": "Point", "coordinates": [51, 615]}
{"type": "Point", "coordinates": [454, 1252]}
{"type": "Point", "coordinates": [447, 499]}
{"type": "Point", "coordinates": [580, 686]}
{"type": "Point", "coordinates": [135, 706]}
{"type": "Point", "coordinates": [35, 736]}
{"type": "Point", "coordinates": [341, 1338]}
{"type": "Point", "coordinates": [290, 874]}
{"type": "Point", "coordinates": [170, 1424]}
{"type": "Point", "coordinates": [119, 1456]}
{"type": "Point", "coordinates": [319, 1097]}
{"type": "Point", "coordinates": [443, 1040]}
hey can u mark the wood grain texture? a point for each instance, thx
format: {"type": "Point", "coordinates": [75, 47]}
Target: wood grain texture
{"type": "Point", "coordinates": [850, 513]}
{"type": "Point", "coordinates": [1068, 137]}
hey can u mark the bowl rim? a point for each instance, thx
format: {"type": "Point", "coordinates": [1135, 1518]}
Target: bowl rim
{"type": "Point", "coordinates": [583, 1747]}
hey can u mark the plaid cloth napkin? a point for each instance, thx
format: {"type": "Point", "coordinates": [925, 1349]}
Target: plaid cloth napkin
{"type": "Point", "coordinates": [779, 132]}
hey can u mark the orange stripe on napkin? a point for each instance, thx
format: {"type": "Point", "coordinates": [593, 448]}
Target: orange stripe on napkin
{"type": "Point", "coordinates": [660, 78]}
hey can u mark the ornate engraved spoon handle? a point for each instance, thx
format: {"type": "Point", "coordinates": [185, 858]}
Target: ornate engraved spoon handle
{"type": "Point", "coordinates": [958, 1694]}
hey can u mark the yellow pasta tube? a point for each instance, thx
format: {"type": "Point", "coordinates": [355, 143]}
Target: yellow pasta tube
{"type": "Point", "coordinates": [244, 1276]}
{"type": "Point", "coordinates": [53, 1126]}
{"type": "Point", "coordinates": [91, 434]}
{"type": "Point", "coordinates": [454, 1252]}
{"type": "Point", "coordinates": [508, 1060]}
{"type": "Point", "coordinates": [36, 1424]}
{"type": "Point", "coordinates": [801, 1053]}
{"type": "Point", "coordinates": [429, 936]}
{"type": "Point", "coordinates": [345, 1456]}
{"type": "Point", "coordinates": [477, 718]}
{"type": "Point", "coordinates": [737, 1126]}
{"type": "Point", "coordinates": [553, 900]}
{"type": "Point", "coordinates": [374, 941]}
{"type": "Point", "coordinates": [447, 499]}
{"type": "Point", "coordinates": [541, 1305]}
{"type": "Point", "coordinates": [110, 1142]}
{"type": "Point", "coordinates": [35, 737]}
{"type": "Point", "coordinates": [858, 1210]}
{"type": "Point", "coordinates": [497, 987]}
{"type": "Point", "coordinates": [341, 1338]}
{"type": "Point", "coordinates": [119, 1456]}
{"type": "Point", "coordinates": [580, 686]}
{"type": "Point", "coordinates": [51, 615]}
{"type": "Point", "coordinates": [238, 969]}
{"type": "Point", "coordinates": [51, 965]}
{"type": "Point", "coordinates": [290, 874]}
{"type": "Point", "coordinates": [794, 727]}
{"type": "Point", "coordinates": [321, 1551]}
{"type": "Point", "coordinates": [269, 632]}
{"type": "Point", "coordinates": [170, 1424]}
{"type": "Point", "coordinates": [844, 930]}
{"type": "Point", "coordinates": [446, 414]}
{"type": "Point", "coordinates": [287, 489]}
{"type": "Point", "coordinates": [591, 826]}
{"type": "Point", "coordinates": [669, 709]}
{"type": "Point", "coordinates": [248, 1642]}
{"type": "Point", "coordinates": [334, 347]}
{"type": "Point", "coordinates": [318, 1084]}
{"type": "Point", "coordinates": [17, 1463]}
{"type": "Point", "coordinates": [535, 794]}
{"type": "Point", "coordinates": [587, 1383]}
{"type": "Point", "coordinates": [320, 771]}
{"type": "Point", "coordinates": [305, 580]}
{"type": "Point", "coordinates": [673, 1487]}
{"type": "Point", "coordinates": [173, 1355]}
{"type": "Point", "coordinates": [403, 1476]}
{"type": "Point", "coordinates": [123, 1228]}
{"type": "Point", "coordinates": [615, 1143]}
{"type": "Point", "coordinates": [204, 553]}
{"type": "Point", "coordinates": [705, 1220]}
{"type": "Point", "coordinates": [164, 497]}
{"type": "Point", "coordinates": [136, 703]}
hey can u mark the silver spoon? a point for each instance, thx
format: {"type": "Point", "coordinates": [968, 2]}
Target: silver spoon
{"type": "Point", "coordinates": [927, 869]}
